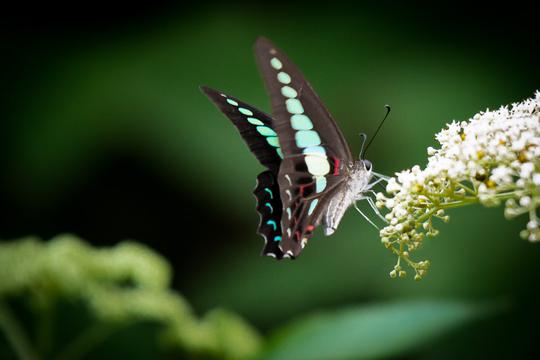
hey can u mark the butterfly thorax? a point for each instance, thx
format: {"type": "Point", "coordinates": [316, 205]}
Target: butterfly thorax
{"type": "Point", "coordinates": [353, 189]}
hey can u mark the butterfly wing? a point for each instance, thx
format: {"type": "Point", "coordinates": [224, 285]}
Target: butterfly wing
{"type": "Point", "coordinates": [269, 207]}
{"type": "Point", "coordinates": [255, 127]}
{"type": "Point", "coordinates": [305, 199]}
{"type": "Point", "coordinates": [314, 149]}
{"type": "Point", "coordinates": [296, 108]}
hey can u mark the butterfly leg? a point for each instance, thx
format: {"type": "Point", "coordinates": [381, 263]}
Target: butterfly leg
{"type": "Point", "coordinates": [381, 176]}
{"type": "Point", "coordinates": [364, 215]}
{"type": "Point", "coordinates": [373, 207]}
{"type": "Point", "coordinates": [371, 185]}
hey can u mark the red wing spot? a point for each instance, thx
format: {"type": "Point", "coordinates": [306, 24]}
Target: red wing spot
{"type": "Point", "coordinates": [298, 234]}
{"type": "Point", "coordinates": [336, 166]}
{"type": "Point", "coordinates": [303, 186]}
{"type": "Point", "coordinates": [310, 228]}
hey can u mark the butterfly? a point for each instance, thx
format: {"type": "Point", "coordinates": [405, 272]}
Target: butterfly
{"type": "Point", "coordinates": [311, 176]}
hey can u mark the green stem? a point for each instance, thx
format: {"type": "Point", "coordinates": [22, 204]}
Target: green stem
{"type": "Point", "coordinates": [427, 215]}
{"type": "Point", "coordinates": [86, 341]}
{"type": "Point", "coordinates": [45, 328]}
{"type": "Point", "coordinates": [508, 195]}
{"type": "Point", "coordinates": [467, 189]}
{"type": "Point", "coordinates": [400, 256]}
{"type": "Point", "coordinates": [15, 334]}
{"type": "Point", "coordinates": [459, 203]}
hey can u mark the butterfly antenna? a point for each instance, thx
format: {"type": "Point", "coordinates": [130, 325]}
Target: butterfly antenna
{"type": "Point", "coordinates": [378, 128]}
{"type": "Point", "coordinates": [364, 138]}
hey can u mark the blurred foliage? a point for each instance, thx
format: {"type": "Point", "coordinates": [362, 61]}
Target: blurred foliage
{"type": "Point", "coordinates": [128, 284]}
{"type": "Point", "coordinates": [371, 332]}
{"type": "Point", "coordinates": [122, 285]}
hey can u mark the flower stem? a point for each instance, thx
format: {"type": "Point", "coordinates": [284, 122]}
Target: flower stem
{"type": "Point", "coordinates": [46, 329]}
{"type": "Point", "coordinates": [15, 334]}
{"type": "Point", "coordinates": [468, 189]}
{"type": "Point", "coordinates": [459, 203]}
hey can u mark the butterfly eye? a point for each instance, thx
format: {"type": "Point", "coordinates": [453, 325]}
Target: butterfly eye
{"type": "Point", "coordinates": [367, 165]}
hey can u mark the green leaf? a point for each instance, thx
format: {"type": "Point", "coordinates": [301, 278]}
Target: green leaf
{"type": "Point", "coordinates": [370, 332]}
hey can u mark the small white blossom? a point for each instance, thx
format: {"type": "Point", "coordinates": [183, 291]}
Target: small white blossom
{"type": "Point", "coordinates": [491, 158]}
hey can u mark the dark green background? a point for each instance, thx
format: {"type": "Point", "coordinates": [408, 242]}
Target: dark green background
{"type": "Point", "coordinates": [105, 134]}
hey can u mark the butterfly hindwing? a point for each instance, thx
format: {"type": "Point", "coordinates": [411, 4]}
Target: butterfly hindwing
{"type": "Point", "coordinates": [255, 127]}
{"type": "Point", "coordinates": [305, 199]}
{"type": "Point", "coordinates": [269, 207]}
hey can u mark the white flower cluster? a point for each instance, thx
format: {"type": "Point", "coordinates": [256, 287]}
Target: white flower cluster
{"type": "Point", "coordinates": [493, 157]}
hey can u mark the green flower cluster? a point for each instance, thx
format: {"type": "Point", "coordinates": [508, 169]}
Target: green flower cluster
{"type": "Point", "coordinates": [120, 285]}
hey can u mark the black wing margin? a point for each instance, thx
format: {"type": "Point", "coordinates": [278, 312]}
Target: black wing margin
{"type": "Point", "coordinates": [269, 207]}
{"type": "Point", "coordinates": [255, 127]}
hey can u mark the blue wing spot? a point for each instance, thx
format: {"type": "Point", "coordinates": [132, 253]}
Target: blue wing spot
{"type": "Point", "coordinates": [254, 121]}
{"type": "Point", "coordinates": [283, 78]}
{"type": "Point", "coordinates": [270, 192]}
{"type": "Point", "coordinates": [307, 138]}
{"type": "Point", "coordinates": [312, 206]}
{"type": "Point", "coordinates": [270, 206]}
{"type": "Point", "coordinates": [301, 122]}
{"type": "Point", "coordinates": [288, 92]}
{"type": "Point", "coordinates": [273, 223]}
{"type": "Point", "coordinates": [232, 102]}
{"type": "Point", "coordinates": [276, 64]}
{"type": "Point", "coordinates": [294, 106]}
{"type": "Point", "coordinates": [266, 131]}
{"type": "Point", "coordinates": [245, 111]}
{"type": "Point", "coordinates": [277, 238]}
{"type": "Point", "coordinates": [273, 141]}
{"type": "Point", "coordinates": [320, 183]}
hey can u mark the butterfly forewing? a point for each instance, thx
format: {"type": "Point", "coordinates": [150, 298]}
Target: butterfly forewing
{"type": "Point", "coordinates": [313, 146]}
{"type": "Point", "coordinates": [296, 108]}
{"type": "Point", "coordinates": [254, 125]}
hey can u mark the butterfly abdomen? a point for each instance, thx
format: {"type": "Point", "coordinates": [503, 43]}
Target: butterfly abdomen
{"type": "Point", "coordinates": [356, 183]}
